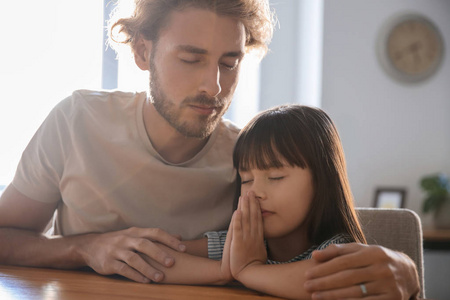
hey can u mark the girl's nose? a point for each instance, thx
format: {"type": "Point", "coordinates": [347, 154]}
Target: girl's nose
{"type": "Point", "coordinates": [258, 190]}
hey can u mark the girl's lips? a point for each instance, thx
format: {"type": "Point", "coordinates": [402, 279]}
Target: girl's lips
{"type": "Point", "coordinates": [266, 213]}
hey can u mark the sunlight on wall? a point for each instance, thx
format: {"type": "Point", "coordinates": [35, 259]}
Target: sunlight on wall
{"type": "Point", "coordinates": [49, 48]}
{"type": "Point", "coordinates": [245, 104]}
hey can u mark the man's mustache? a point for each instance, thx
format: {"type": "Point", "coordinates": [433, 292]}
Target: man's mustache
{"type": "Point", "coordinates": [205, 100]}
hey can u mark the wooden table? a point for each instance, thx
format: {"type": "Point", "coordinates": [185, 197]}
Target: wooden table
{"type": "Point", "coordinates": [19, 283]}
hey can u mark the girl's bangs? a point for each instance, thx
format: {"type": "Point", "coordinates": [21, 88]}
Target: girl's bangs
{"type": "Point", "coordinates": [259, 154]}
{"type": "Point", "coordinates": [268, 144]}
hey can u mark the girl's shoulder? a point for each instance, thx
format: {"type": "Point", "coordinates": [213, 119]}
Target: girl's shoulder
{"type": "Point", "coordinates": [337, 239]}
{"type": "Point", "coordinates": [341, 238]}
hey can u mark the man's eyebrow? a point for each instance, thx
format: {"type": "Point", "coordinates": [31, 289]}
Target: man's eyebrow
{"type": "Point", "coordinates": [196, 50]}
{"type": "Point", "coordinates": [237, 54]}
{"type": "Point", "coordinates": [191, 49]}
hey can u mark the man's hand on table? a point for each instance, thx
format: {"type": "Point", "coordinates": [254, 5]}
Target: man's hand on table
{"type": "Point", "coordinates": [117, 252]}
{"type": "Point", "coordinates": [385, 273]}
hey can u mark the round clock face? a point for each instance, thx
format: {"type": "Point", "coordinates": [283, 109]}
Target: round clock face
{"type": "Point", "coordinates": [412, 48]}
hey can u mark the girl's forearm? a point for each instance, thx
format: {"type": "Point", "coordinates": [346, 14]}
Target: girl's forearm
{"type": "Point", "coordinates": [191, 269]}
{"type": "Point", "coordinates": [284, 280]}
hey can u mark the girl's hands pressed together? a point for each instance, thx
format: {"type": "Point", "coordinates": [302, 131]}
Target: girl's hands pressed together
{"type": "Point", "coordinates": [225, 263]}
{"type": "Point", "coordinates": [247, 247]}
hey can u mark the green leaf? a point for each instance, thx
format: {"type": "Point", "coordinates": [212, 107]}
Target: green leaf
{"type": "Point", "coordinates": [432, 203]}
{"type": "Point", "coordinates": [432, 183]}
{"type": "Point", "coordinates": [437, 190]}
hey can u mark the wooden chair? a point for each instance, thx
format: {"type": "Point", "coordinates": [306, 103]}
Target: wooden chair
{"type": "Point", "coordinates": [396, 229]}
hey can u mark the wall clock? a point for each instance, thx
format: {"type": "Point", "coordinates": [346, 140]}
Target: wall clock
{"type": "Point", "coordinates": [410, 48]}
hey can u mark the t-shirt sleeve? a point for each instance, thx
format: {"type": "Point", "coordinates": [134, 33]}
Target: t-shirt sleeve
{"type": "Point", "coordinates": [337, 239]}
{"type": "Point", "coordinates": [41, 166]}
{"type": "Point", "coordinates": [216, 243]}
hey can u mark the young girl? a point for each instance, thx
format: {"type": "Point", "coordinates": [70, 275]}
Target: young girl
{"type": "Point", "coordinates": [295, 198]}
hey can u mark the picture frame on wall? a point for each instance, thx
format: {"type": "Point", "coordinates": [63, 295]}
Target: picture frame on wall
{"type": "Point", "coordinates": [390, 198]}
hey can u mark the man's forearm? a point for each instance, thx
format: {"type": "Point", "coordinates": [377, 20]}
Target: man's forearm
{"type": "Point", "coordinates": [27, 248]}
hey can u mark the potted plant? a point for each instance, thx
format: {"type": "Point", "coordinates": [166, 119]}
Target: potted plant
{"type": "Point", "coordinates": [437, 200]}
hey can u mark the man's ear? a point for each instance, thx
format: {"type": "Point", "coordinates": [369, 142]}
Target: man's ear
{"type": "Point", "coordinates": [142, 50]}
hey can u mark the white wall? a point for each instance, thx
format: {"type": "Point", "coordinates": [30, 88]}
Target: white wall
{"type": "Point", "coordinates": [392, 133]}
{"type": "Point", "coordinates": [291, 71]}
{"type": "Point", "coordinates": [278, 70]}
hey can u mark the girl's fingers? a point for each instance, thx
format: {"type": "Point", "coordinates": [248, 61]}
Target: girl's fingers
{"type": "Point", "coordinates": [250, 215]}
{"type": "Point", "coordinates": [245, 217]}
{"type": "Point", "coordinates": [237, 224]}
{"type": "Point", "coordinates": [230, 226]}
{"type": "Point", "coordinates": [254, 211]}
{"type": "Point", "coordinates": [227, 246]}
{"type": "Point", "coordinates": [259, 220]}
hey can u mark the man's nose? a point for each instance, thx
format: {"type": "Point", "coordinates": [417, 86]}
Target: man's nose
{"type": "Point", "coordinates": [211, 81]}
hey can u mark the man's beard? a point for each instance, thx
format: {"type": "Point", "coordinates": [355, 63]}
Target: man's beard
{"type": "Point", "coordinates": [200, 128]}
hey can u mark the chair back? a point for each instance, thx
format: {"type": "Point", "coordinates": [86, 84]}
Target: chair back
{"type": "Point", "coordinates": [397, 229]}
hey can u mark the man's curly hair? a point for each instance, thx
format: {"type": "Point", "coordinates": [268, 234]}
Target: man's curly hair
{"type": "Point", "coordinates": [150, 16]}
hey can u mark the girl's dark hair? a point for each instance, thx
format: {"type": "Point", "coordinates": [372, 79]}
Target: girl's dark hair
{"type": "Point", "coordinates": [305, 137]}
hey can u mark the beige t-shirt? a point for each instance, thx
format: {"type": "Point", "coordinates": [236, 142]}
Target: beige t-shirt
{"type": "Point", "coordinates": [92, 155]}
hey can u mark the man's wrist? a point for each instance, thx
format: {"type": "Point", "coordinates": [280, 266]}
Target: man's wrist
{"type": "Point", "coordinates": [76, 247]}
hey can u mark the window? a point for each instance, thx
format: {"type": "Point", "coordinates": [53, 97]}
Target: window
{"type": "Point", "coordinates": [49, 49]}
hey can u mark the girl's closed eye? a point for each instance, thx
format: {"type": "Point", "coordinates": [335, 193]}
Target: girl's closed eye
{"type": "Point", "coordinates": [246, 181]}
{"type": "Point", "coordinates": [277, 174]}
{"type": "Point", "coordinates": [246, 177]}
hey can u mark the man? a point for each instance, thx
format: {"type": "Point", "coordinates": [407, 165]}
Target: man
{"type": "Point", "coordinates": [120, 171]}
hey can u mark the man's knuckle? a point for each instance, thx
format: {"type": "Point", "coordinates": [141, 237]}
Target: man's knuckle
{"type": "Point", "coordinates": [378, 272]}
{"type": "Point", "coordinates": [391, 271]}
{"type": "Point", "coordinates": [157, 231]}
{"type": "Point", "coordinates": [141, 244]}
{"type": "Point", "coordinates": [121, 268]}
{"type": "Point", "coordinates": [118, 239]}
{"type": "Point", "coordinates": [132, 258]}
{"type": "Point", "coordinates": [381, 253]}
{"type": "Point", "coordinates": [132, 229]}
